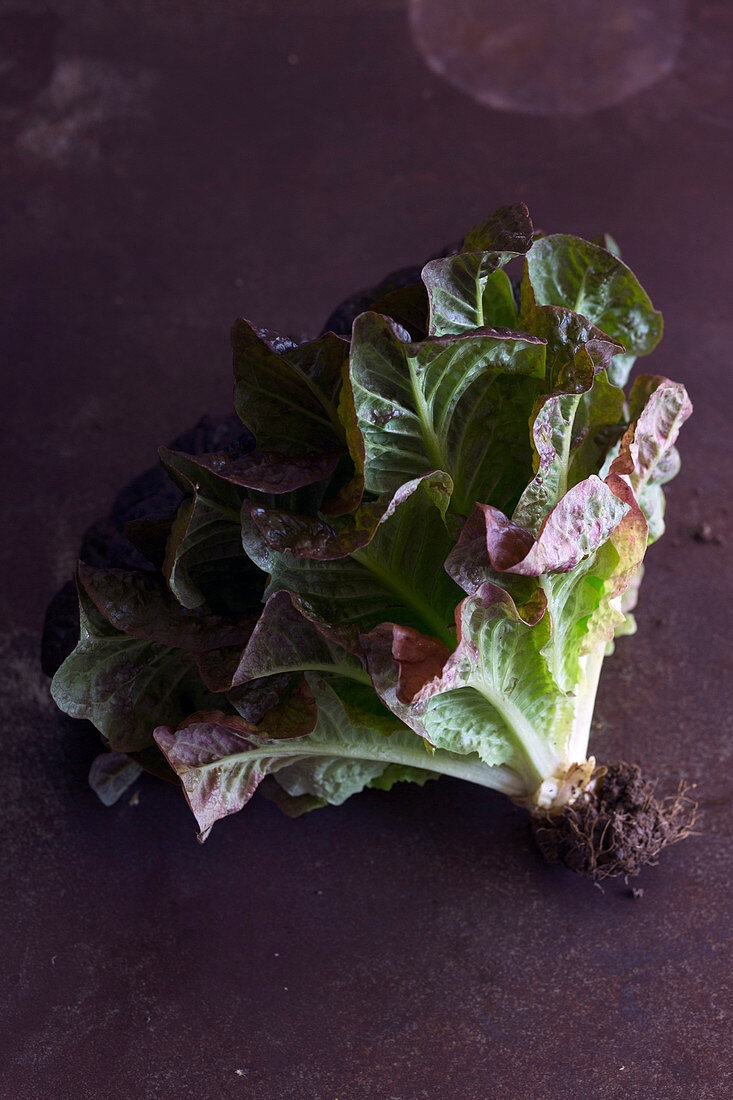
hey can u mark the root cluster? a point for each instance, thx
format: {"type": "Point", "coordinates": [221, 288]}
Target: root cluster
{"type": "Point", "coordinates": [617, 827]}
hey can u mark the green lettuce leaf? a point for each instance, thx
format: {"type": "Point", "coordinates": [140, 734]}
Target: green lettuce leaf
{"type": "Point", "coordinates": [574, 274]}
{"type": "Point", "coordinates": [576, 349]}
{"type": "Point", "coordinates": [127, 685]}
{"type": "Point", "coordinates": [494, 696]}
{"type": "Point", "coordinates": [432, 406]}
{"type": "Point", "coordinates": [397, 569]}
{"type": "Point", "coordinates": [647, 449]}
{"type": "Point", "coordinates": [286, 642]}
{"type": "Point", "coordinates": [221, 760]}
{"type": "Point", "coordinates": [140, 604]}
{"type": "Point", "coordinates": [348, 494]}
{"type": "Point", "coordinates": [577, 525]}
{"type": "Point", "coordinates": [111, 775]}
{"type": "Point", "coordinates": [265, 472]}
{"type": "Point", "coordinates": [409, 307]}
{"type": "Point", "coordinates": [204, 560]}
{"type": "Point", "coordinates": [574, 559]}
{"type": "Point", "coordinates": [288, 398]}
{"type": "Point", "coordinates": [469, 290]}
{"type": "Point", "coordinates": [571, 435]}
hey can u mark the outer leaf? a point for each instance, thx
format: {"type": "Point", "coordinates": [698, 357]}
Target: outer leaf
{"type": "Point", "coordinates": [507, 230]}
{"type": "Point", "coordinates": [588, 608]}
{"type": "Point", "coordinates": [362, 706]}
{"type": "Point", "coordinates": [150, 537]}
{"type": "Point", "coordinates": [433, 406]}
{"type": "Point", "coordinates": [585, 604]}
{"type": "Point", "coordinates": [288, 400]}
{"type": "Point", "coordinates": [279, 706]}
{"type": "Point", "coordinates": [292, 713]}
{"type": "Point", "coordinates": [221, 760]}
{"type": "Point", "coordinates": [574, 557]}
{"type": "Point", "coordinates": [204, 539]}
{"type": "Point", "coordinates": [630, 538]}
{"type": "Point", "coordinates": [576, 526]}
{"type": "Point", "coordinates": [204, 560]}
{"type": "Point", "coordinates": [582, 520]}
{"type": "Point", "coordinates": [266, 472]}
{"type": "Point", "coordinates": [139, 604]}
{"type": "Point", "coordinates": [401, 773]}
{"type": "Point", "coordinates": [199, 473]}
{"type": "Point", "coordinates": [647, 453]}
{"type": "Point", "coordinates": [576, 348]}
{"type": "Point", "coordinates": [589, 604]}
{"type": "Point", "coordinates": [400, 660]}
{"type": "Point", "coordinates": [398, 572]}
{"type": "Point", "coordinates": [336, 777]}
{"type": "Point", "coordinates": [387, 675]}
{"type": "Point", "coordinates": [125, 686]}
{"type": "Point", "coordinates": [419, 658]}
{"type": "Point", "coordinates": [571, 434]}
{"type": "Point", "coordinates": [494, 696]}
{"type": "Point", "coordinates": [310, 537]}
{"type": "Point", "coordinates": [580, 614]}
{"type": "Point", "coordinates": [111, 774]}
{"type": "Point", "coordinates": [409, 307]}
{"type": "Point", "coordinates": [655, 433]}
{"type": "Point", "coordinates": [470, 565]}
{"type": "Point", "coordinates": [498, 307]}
{"type": "Point", "coordinates": [382, 657]}
{"type": "Point", "coordinates": [285, 641]}
{"type": "Point", "coordinates": [467, 291]}
{"type": "Point", "coordinates": [349, 495]}
{"type": "Point", "coordinates": [567, 271]}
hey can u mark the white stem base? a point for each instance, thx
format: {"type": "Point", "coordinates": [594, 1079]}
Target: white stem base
{"type": "Point", "coordinates": [557, 792]}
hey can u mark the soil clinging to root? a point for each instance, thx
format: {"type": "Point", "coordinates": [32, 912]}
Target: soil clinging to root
{"type": "Point", "coordinates": [616, 828]}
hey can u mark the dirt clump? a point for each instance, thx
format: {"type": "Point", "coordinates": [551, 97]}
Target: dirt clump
{"type": "Point", "coordinates": [616, 827]}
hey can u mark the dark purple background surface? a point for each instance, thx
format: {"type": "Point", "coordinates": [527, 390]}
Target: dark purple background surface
{"type": "Point", "coordinates": [165, 167]}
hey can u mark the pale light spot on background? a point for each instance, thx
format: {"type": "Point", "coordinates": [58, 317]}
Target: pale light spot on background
{"type": "Point", "coordinates": [549, 57]}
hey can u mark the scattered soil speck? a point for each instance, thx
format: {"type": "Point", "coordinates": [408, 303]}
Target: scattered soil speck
{"type": "Point", "coordinates": [705, 534]}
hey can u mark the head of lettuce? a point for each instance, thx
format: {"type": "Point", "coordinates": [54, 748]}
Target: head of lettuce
{"type": "Point", "coordinates": [414, 564]}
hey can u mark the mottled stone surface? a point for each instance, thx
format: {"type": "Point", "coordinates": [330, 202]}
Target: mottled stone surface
{"type": "Point", "coordinates": [164, 168]}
